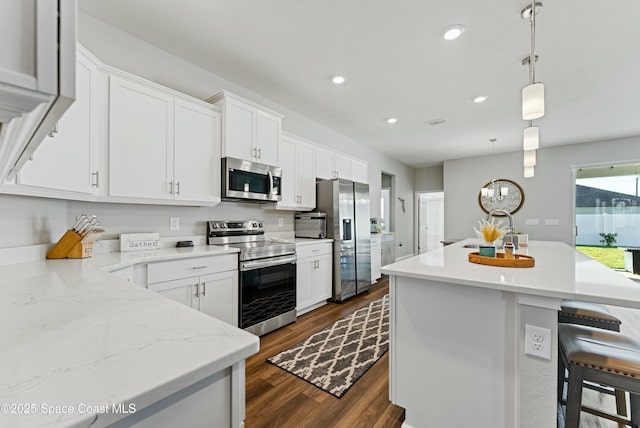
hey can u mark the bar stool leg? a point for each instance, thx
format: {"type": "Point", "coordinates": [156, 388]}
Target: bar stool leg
{"type": "Point", "coordinates": [562, 375]}
{"type": "Point", "coordinates": [621, 405]}
{"type": "Point", "coordinates": [574, 396]}
{"type": "Point", "coordinates": [634, 399]}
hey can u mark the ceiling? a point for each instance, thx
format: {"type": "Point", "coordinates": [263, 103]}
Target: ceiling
{"type": "Point", "coordinates": [397, 64]}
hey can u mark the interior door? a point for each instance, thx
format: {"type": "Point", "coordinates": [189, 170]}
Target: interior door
{"type": "Point", "coordinates": [430, 220]}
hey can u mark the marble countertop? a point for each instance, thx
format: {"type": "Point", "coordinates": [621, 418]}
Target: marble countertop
{"type": "Point", "coordinates": [311, 241]}
{"type": "Point", "coordinates": [559, 272]}
{"type": "Point", "coordinates": [71, 334]}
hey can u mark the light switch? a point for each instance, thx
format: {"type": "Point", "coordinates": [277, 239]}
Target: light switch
{"type": "Point", "coordinates": [531, 221]}
{"type": "Point", "coordinates": [551, 221]}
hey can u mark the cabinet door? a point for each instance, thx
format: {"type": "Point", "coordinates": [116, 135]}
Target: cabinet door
{"type": "Point", "coordinates": [196, 152]}
{"type": "Point", "coordinates": [325, 163]}
{"type": "Point", "coordinates": [239, 130]}
{"type": "Point", "coordinates": [287, 158]}
{"type": "Point", "coordinates": [181, 290]}
{"type": "Point", "coordinates": [343, 166]}
{"type": "Point", "coordinates": [268, 129]}
{"type": "Point", "coordinates": [306, 176]}
{"type": "Point", "coordinates": [376, 261]}
{"type": "Point", "coordinates": [68, 160]}
{"type": "Point", "coordinates": [305, 273]}
{"type": "Point", "coordinates": [323, 278]}
{"type": "Point", "coordinates": [140, 140]}
{"type": "Point", "coordinates": [219, 296]}
{"type": "Point", "coordinates": [359, 171]}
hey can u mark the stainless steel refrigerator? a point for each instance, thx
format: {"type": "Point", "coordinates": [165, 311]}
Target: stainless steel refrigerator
{"type": "Point", "coordinates": [346, 204]}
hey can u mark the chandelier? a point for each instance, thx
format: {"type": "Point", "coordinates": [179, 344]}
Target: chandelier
{"type": "Point", "coordinates": [494, 190]}
{"type": "Point", "coordinates": [532, 95]}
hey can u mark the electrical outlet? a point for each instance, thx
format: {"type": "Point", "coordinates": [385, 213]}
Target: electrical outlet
{"type": "Point", "coordinates": [174, 223]}
{"type": "Point", "coordinates": [537, 341]}
{"type": "Point", "coordinates": [280, 222]}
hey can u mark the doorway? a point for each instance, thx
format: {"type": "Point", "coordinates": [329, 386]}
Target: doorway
{"type": "Point", "coordinates": [607, 213]}
{"type": "Point", "coordinates": [430, 221]}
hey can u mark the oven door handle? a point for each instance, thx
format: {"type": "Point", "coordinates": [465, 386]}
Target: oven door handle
{"type": "Point", "coordinates": [258, 264]}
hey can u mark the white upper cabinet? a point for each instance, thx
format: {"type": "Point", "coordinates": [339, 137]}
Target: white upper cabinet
{"type": "Point", "coordinates": [342, 166]}
{"type": "Point", "coordinates": [359, 171]}
{"type": "Point", "coordinates": [68, 159]}
{"type": "Point", "coordinates": [324, 163]}
{"type": "Point", "coordinates": [249, 131]}
{"type": "Point", "coordinates": [37, 75]}
{"type": "Point", "coordinates": [161, 145]}
{"type": "Point", "coordinates": [196, 152]}
{"type": "Point", "coordinates": [297, 159]}
{"type": "Point", "coordinates": [331, 164]}
{"type": "Point", "coordinates": [140, 140]}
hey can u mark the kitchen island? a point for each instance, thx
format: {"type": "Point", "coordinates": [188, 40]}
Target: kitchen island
{"type": "Point", "coordinates": [82, 347]}
{"type": "Point", "coordinates": [457, 333]}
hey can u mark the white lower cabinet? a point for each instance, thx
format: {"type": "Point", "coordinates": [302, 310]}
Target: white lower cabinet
{"type": "Point", "coordinates": [376, 257]}
{"type": "Point", "coordinates": [313, 276]}
{"type": "Point", "coordinates": [214, 294]}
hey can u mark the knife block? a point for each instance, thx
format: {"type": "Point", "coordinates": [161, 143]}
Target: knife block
{"type": "Point", "coordinates": [71, 246]}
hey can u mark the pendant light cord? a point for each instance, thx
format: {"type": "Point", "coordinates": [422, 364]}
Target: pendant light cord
{"type": "Point", "coordinates": [532, 55]}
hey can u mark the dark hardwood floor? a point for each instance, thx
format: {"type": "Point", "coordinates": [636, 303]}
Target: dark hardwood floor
{"type": "Point", "coordinates": [276, 398]}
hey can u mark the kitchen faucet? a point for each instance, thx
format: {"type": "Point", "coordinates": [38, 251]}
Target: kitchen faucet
{"type": "Point", "coordinates": [512, 237]}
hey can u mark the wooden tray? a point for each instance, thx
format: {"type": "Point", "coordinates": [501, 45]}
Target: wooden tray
{"type": "Point", "coordinates": [519, 260]}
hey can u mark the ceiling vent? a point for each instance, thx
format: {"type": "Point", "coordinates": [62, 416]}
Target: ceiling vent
{"type": "Point", "coordinates": [435, 122]}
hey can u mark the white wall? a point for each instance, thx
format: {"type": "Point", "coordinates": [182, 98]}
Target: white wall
{"type": "Point", "coordinates": [429, 178]}
{"type": "Point", "coordinates": [548, 195]}
{"type": "Point", "coordinates": [23, 225]}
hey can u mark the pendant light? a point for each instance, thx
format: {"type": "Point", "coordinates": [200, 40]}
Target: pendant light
{"type": "Point", "coordinates": [529, 158]}
{"type": "Point", "coordinates": [532, 94]}
{"type": "Point", "coordinates": [531, 137]}
{"type": "Point", "coordinates": [528, 171]}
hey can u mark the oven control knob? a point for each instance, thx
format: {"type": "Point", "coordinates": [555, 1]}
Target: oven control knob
{"type": "Point", "coordinates": [214, 226]}
{"type": "Point", "coordinates": [260, 224]}
{"type": "Point", "coordinates": [255, 224]}
{"type": "Point", "coordinates": [222, 226]}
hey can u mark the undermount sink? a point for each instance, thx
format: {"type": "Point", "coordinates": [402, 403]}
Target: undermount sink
{"type": "Point", "coordinates": [471, 246]}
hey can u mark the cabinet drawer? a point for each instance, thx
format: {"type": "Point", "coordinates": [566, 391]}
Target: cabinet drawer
{"type": "Point", "coordinates": [185, 268]}
{"type": "Point", "coordinates": [313, 250]}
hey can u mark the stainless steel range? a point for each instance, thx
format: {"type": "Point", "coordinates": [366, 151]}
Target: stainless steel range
{"type": "Point", "coordinates": [267, 274]}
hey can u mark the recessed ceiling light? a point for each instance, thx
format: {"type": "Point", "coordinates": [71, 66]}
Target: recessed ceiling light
{"type": "Point", "coordinates": [338, 80]}
{"type": "Point", "coordinates": [454, 32]}
{"type": "Point", "coordinates": [392, 120]}
{"type": "Point", "coordinates": [480, 99]}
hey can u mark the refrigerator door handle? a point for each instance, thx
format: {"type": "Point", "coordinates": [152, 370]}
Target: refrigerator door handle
{"type": "Point", "coordinates": [346, 230]}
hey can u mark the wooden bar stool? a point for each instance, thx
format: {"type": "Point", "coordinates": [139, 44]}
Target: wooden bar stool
{"type": "Point", "coordinates": [589, 314]}
{"type": "Point", "coordinates": [592, 315]}
{"type": "Point", "coordinates": [604, 357]}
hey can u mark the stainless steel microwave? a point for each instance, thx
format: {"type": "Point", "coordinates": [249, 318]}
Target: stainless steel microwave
{"type": "Point", "coordinates": [244, 180]}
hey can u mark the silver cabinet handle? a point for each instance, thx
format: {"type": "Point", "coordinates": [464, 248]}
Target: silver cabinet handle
{"type": "Point", "coordinates": [200, 267]}
{"type": "Point", "coordinates": [197, 290]}
{"type": "Point", "coordinates": [96, 182]}
{"type": "Point", "coordinates": [315, 251]}
{"type": "Point", "coordinates": [259, 153]}
{"type": "Point", "coordinates": [177, 187]}
{"type": "Point", "coordinates": [54, 130]}
{"type": "Point", "coordinates": [204, 289]}
{"type": "Point", "coordinates": [171, 187]}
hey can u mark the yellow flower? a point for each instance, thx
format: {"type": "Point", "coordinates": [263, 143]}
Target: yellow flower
{"type": "Point", "coordinates": [490, 231]}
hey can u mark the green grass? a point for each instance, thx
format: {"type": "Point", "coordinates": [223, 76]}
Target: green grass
{"type": "Point", "coordinates": [608, 256]}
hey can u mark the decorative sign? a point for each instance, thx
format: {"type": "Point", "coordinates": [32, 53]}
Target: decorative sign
{"type": "Point", "coordinates": [139, 241]}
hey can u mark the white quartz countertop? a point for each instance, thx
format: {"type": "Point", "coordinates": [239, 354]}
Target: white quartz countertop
{"type": "Point", "coordinates": [73, 335]}
{"type": "Point", "coordinates": [559, 272]}
{"type": "Point", "coordinates": [311, 241]}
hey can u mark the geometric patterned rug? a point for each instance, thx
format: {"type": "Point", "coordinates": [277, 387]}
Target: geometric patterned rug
{"type": "Point", "coordinates": [334, 359]}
